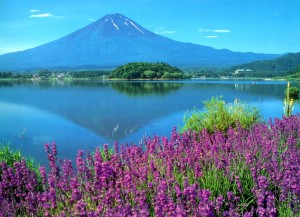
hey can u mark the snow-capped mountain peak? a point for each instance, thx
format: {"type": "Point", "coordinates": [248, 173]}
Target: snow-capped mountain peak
{"type": "Point", "coordinates": [117, 25]}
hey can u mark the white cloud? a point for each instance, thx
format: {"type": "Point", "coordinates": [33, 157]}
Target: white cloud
{"type": "Point", "coordinates": [168, 32]}
{"type": "Point", "coordinates": [41, 15]}
{"type": "Point", "coordinates": [91, 19]}
{"type": "Point", "coordinates": [211, 36]}
{"type": "Point", "coordinates": [162, 30]}
{"type": "Point", "coordinates": [45, 15]}
{"type": "Point", "coordinates": [214, 30]}
{"type": "Point", "coordinates": [222, 30]}
{"type": "Point", "coordinates": [33, 11]}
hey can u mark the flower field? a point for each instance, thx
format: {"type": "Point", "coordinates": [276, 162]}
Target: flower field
{"type": "Point", "coordinates": [253, 172]}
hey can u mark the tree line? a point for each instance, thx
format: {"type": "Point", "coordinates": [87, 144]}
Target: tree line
{"type": "Point", "coordinates": [48, 74]}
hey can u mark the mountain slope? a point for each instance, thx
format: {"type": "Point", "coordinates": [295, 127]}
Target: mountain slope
{"type": "Point", "coordinates": [114, 40]}
{"type": "Point", "coordinates": [276, 67]}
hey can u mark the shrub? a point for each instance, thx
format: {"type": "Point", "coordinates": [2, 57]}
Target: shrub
{"type": "Point", "coordinates": [218, 115]}
{"type": "Point", "coordinates": [293, 93]}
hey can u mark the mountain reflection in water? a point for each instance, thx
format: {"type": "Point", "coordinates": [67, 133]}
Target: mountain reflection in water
{"type": "Point", "coordinates": [116, 109]}
{"type": "Point", "coordinates": [86, 114]}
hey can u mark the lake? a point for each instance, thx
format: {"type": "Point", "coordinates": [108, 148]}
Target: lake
{"type": "Point", "coordinates": [87, 114]}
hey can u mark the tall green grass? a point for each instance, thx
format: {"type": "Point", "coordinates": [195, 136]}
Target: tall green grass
{"type": "Point", "coordinates": [10, 156]}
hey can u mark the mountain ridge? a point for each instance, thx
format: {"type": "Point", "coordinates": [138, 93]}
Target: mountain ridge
{"type": "Point", "coordinates": [114, 40]}
{"type": "Point", "coordinates": [280, 66]}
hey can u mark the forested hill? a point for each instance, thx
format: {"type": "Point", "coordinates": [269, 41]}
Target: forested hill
{"type": "Point", "coordinates": [269, 68]}
{"type": "Point", "coordinates": [145, 70]}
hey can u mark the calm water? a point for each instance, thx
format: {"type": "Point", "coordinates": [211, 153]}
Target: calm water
{"type": "Point", "coordinates": [84, 115]}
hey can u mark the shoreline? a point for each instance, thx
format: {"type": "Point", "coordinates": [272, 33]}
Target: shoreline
{"type": "Point", "coordinates": [141, 79]}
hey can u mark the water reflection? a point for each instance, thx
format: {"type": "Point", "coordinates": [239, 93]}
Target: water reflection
{"type": "Point", "coordinates": [11, 83]}
{"type": "Point", "coordinates": [145, 88]}
{"type": "Point", "coordinates": [52, 83]}
{"type": "Point", "coordinates": [113, 110]}
{"type": "Point", "coordinates": [28, 129]}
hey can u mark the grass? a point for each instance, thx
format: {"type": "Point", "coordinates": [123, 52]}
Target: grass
{"type": "Point", "coordinates": [10, 156]}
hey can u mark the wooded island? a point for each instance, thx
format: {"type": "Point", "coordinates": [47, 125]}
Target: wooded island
{"type": "Point", "coordinates": [145, 70]}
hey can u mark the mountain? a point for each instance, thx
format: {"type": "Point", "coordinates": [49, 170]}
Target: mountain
{"type": "Point", "coordinates": [114, 40]}
{"type": "Point", "coordinates": [281, 66]}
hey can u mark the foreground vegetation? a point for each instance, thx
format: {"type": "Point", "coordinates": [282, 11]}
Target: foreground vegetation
{"type": "Point", "coordinates": [251, 172]}
{"type": "Point", "coordinates": [10, 157]}
{"type": "Point", "coordinates": [217, 115]}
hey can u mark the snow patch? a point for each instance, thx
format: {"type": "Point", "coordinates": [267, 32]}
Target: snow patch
{"type": "Point", "coordinates": [106, 20]}
{"type": "Point", "coordinates": [126, 23]}
{"type": "Point", "coordinates": [114, 24]}
{"type": "Point", "coordinates": [136, 27]}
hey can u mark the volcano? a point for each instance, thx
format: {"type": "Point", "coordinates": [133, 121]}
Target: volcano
{"type": "Point", "coordinates": [114, 40]}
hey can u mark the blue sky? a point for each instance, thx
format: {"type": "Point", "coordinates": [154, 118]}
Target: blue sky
{"type": "Point", "coordinates": [263, 26]}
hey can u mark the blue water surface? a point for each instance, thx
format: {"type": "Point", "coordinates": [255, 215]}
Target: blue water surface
{"type": "Point", "coordinates": [85, 115]}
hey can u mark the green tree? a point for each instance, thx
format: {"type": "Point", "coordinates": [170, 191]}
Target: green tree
{"type": "Point", "coordinates": [166, 75]}
{"type": "Point", "coordinates": [149, 74]}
